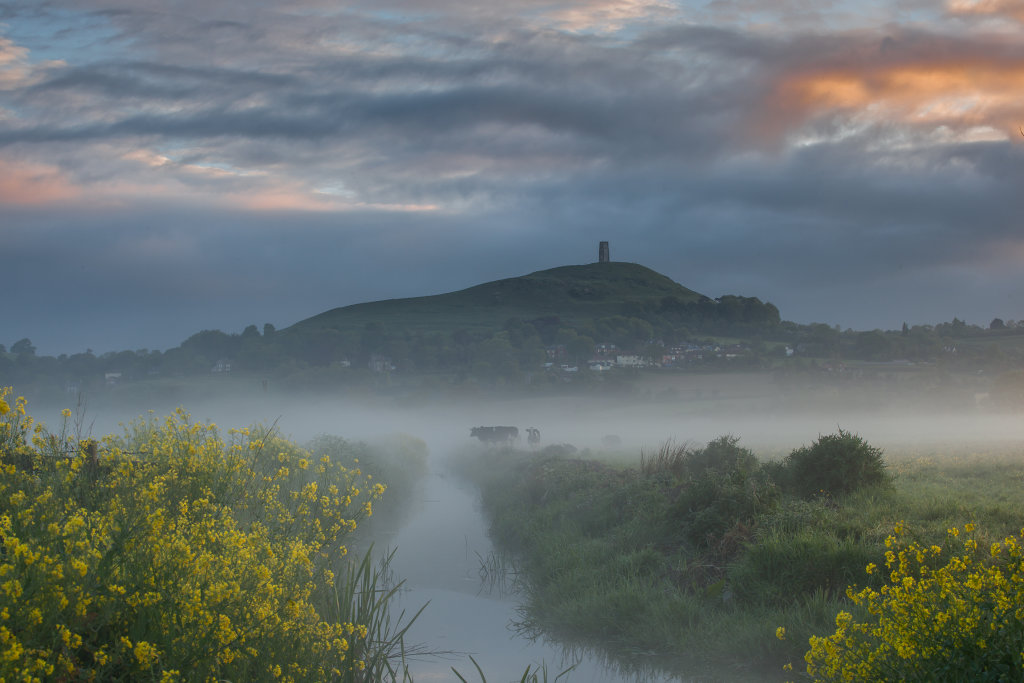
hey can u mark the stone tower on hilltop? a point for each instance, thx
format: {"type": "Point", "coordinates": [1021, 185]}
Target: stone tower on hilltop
{"type": "Point", "coordinates": [602, 253]}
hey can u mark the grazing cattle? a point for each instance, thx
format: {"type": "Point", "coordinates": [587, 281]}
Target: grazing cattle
{"type": "Point", "coordinates": [504, 435]}
{"type": "Point", "coordinates": [533, 436]}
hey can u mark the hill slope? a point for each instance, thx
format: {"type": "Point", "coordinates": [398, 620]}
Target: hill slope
{"type": "Point", "coordinates": [573, 293]}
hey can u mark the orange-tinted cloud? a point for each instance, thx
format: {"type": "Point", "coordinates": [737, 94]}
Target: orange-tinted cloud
{"type": "Point", "coordinates": [33, 184]}
{"type": "Point", "coordinates": [1013, 9]}
{"type": "Point", "coordinates": [958, 93]}
{"type": "Point", "coordinates": [297, 200]}
{"type": "Point", "coordinates": [605, 15]}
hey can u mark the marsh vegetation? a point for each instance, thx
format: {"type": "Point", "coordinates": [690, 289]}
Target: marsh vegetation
{"type": "Point", "coordinates": [702, 558]}
{"type": "Point", "coordinates": [690, 559]}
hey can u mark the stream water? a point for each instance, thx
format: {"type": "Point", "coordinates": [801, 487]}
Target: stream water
{"type": "Point", "coordinates": [440, 548]}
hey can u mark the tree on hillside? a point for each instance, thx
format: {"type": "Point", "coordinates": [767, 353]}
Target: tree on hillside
{"type": "Point", "coordinates": [580, 349]}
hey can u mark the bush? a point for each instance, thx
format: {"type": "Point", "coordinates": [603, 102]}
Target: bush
{"type": "Point", "coordinates": [715, 502]}
{"type": "Point", "coordinates": [833, 465]}
{"type": "Point", "coordinates": [959, 622]}
{"type": "Point", "coordinates": [174, 553]}
{"type": "Point", "coordinates": [720, 456]}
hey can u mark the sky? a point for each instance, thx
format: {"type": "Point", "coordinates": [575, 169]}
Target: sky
{"type": "Point", "coordinates": [169, 166]}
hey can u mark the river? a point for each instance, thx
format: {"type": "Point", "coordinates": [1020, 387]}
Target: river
{"type": "Point", "coordinates": [439, 549]}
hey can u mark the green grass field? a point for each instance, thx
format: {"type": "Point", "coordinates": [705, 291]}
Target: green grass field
{"type": "Point", "coordinates": [641, 563]}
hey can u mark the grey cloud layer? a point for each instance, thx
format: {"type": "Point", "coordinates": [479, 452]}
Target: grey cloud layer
{"type": "Point", "coordinates": [682, 142]}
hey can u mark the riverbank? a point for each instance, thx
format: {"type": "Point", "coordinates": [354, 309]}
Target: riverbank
{"type": "Point", "coordinates": [701, 571]}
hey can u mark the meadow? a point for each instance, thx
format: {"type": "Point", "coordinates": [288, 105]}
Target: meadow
{"type": "Point", "coordinates": [180, 551]}
{"type": "Point", "coordinates": [717, 565]}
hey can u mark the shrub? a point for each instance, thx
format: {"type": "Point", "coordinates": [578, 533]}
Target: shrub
{"type": "Point", "coordinates": [714, 502]}
{"type": "Point", "coordinates": [835, 464]}
{"type": "Point", "coordinates": [722, 455]}
{"type": "Point", "coordinates": [963, 621]}
{"type": "Point", "coordinates": [172, 552]}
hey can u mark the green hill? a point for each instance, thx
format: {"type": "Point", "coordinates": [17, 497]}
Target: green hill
{"type": "Point", "coordinates": [575, 294]}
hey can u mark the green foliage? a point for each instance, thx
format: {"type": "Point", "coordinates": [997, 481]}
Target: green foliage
{"type": "Point", "coordinates": [779, 565]}
{"type": "Point", "coordinates": [605, 561]}
{"type": "Point", "coordinates": [713, 503]}
{"type": "Point", "coordinates": [958, 621]}
{"type": "Point", "coordinates": [719, 456]}
{"type": "Point", "coordinates": [171, 553]}
{"type": "Point", "coordinates": [723, 455]}
{"type": "Point", "coordinates": [835, 464]}
{"type": "Point", "coordinates": [717, 487]}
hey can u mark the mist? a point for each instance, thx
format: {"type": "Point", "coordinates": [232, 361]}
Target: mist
{"type": "Point", "coordinates": [440, 535]}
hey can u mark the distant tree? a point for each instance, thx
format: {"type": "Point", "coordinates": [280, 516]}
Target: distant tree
{"type": "Point", "coordinates": [906, 330]}
{"type": "Point", "coordinates": [997, 324]}
{"type": "Point", "coordinates": [823, 340]}
{"type": "Point", "coordinates": [23, 346]}
{"type": "Point", "coordinates": [250, 332]}
{"type": "Point", "coordinates": [873, 345]}
{"type": "Point", "coordinates": [268, 330]}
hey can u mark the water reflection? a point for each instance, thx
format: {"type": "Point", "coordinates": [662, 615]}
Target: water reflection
{"type": "Point", "coordinates": [446, 558]}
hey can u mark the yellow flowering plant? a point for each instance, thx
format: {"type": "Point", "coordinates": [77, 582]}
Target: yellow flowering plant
{"type": "Point", "coordinates": [935, 619]}
{"type": "Point", "coordinates": [171, 549]}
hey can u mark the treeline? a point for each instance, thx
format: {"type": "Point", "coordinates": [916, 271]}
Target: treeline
{"type": "Point", "coordinates": [519, 350]}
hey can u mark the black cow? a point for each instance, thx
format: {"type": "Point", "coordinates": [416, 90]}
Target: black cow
{"type": "Point", "coordinates": [505, 435]}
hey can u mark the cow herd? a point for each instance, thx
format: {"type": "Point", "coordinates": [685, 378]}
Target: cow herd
{"type": "Point", "coordinates": [505, 436]}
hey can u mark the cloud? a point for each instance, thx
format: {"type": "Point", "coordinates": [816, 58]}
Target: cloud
{"type": "Point", "coordinates": [919, 81]}
{"type": "Point", "coordinates": [16, 71]}
{"type": "Point", "coordinates": [25, 183]}
{"type": "Point", "coordinates": [324, 154]}
{"type": "Point", "coordinates": [1011, 9]}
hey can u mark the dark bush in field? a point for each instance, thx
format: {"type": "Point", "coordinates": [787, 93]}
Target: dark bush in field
{"type": "Point", "coordinates": [721, 455]}
{"type": "Point", "coordinates": [834, 464]}
{"type": "Point", "coordinates": [722, 486]}
{"type": "Point", "coordinates": [711, 504]}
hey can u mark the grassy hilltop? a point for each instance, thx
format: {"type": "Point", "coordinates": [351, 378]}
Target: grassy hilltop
{"type": "Point", "coordinates": [576, 294]}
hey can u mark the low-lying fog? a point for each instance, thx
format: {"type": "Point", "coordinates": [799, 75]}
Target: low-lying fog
{"type": "Point", "coordinates": [442, 537]}
{"type": "Point", "coordinates": [757, 408]}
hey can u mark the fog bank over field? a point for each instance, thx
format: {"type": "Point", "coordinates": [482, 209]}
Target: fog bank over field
{"type": "Point", "coordinates": [769, 415]}
{"type": "Point", "coordinates": [443, 538]}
